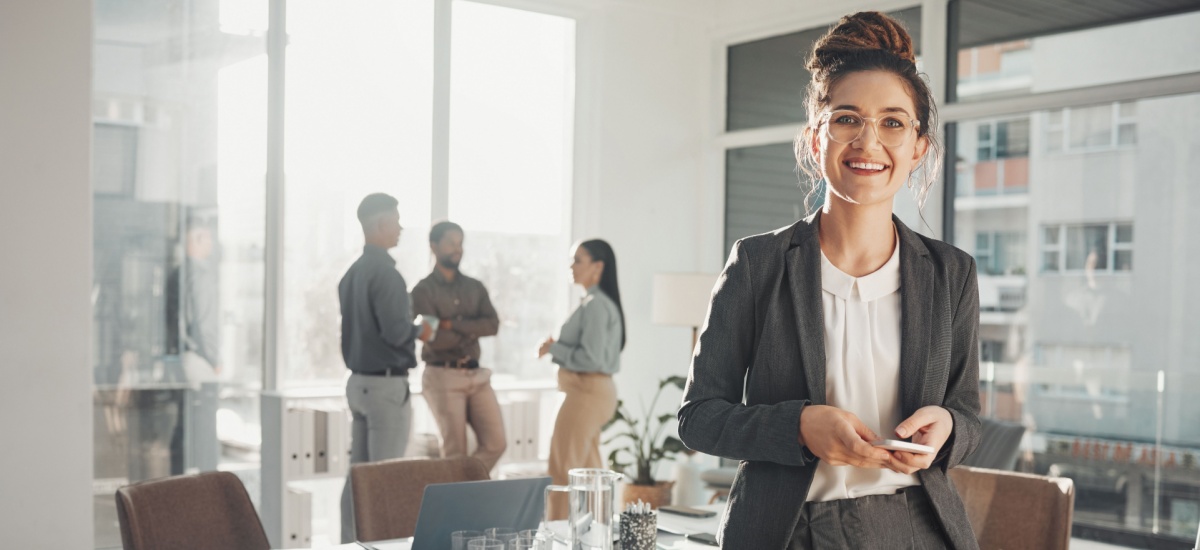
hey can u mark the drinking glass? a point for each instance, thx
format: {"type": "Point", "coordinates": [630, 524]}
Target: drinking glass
{"type": "Point", "coordinates": [524, 543]}
{"type": "Point", "coordinates": [459, 539]}
{"type": "Point", "coordinates": [485, 544]}
{"type": "Point", "coordinates": [502, 534]}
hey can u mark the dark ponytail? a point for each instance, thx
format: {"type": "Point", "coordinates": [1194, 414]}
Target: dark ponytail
{"type": "Point", "coordinates": [600, 251]}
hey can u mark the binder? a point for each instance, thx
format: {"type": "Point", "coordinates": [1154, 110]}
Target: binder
{"type": "Point", "coordinates": [298, 519]}
{"type": "Point", "coordinates": [321, 441]}
{"type": "Point", "coordinates": [515, 422]}
{"type": "Point", "coordinates": [307, 419]}
{"type": "Point", "coordinates": [292, 444]}
{"type": "Point", "coordinates": [532, 413]}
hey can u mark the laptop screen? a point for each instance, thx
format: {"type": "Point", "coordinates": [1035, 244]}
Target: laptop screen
{"type": "Point", "coordinates": [475, 506]}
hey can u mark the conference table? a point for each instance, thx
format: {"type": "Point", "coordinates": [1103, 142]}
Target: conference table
{"type": "Point", "coordinates": [671, 533]}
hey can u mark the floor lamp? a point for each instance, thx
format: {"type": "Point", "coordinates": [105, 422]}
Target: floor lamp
{"type": "Point", "coordinates": [681, 299]}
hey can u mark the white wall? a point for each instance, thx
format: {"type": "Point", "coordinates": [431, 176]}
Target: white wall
{"type": "Point", "coordinates": [46, 246]}
{"type": "Point", "coordinates": [642, 181]}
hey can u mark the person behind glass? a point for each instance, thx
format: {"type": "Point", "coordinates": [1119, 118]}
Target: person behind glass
{"type": "Point", "coordinates": [844, 328]}
{"type": "Point", "coordinates": [588, 353]}
{"type": "Point", "coordinates": [458, 390]}
{"type": "Point", "coordinates": [378, 345]}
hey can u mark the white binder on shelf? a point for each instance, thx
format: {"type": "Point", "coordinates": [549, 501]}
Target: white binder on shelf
{"type": "Point", "coordinates": [297, 519]}
{"type": "Point", "coordinates": [307, 437]}
{"type": "Point", "coordinates": [293, 440]}
{"type": "Point", "coordinates": [321, 440]}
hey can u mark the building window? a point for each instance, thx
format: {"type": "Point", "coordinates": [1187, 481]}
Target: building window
{"type": "Point", "coordinates": [1092, 128]}
{"type": "Point", "coordinates": [1000, 252]}
{"type": "Point", "coordinates": [1003, 139]}
{"type": "Point", "coordinates": [1102, 248]}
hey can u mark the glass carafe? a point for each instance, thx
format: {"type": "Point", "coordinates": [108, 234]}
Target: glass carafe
{"type": "Point", "coordinates": [590, 516]}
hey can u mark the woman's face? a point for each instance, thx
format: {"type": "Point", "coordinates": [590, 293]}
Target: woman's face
{"type": "Point", "coordinates": [584, 271]}
{"type": "Point", "coordinates": [865, 171]}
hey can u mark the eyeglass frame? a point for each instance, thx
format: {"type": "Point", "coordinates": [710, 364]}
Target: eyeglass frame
{"type": "Point", "coordinates": [825, 116]}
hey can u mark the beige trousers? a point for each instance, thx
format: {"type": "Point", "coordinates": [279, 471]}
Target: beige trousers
{"type": "Point", "coordinates": [591, 402]}
{"type": "Point", "coordinates": [458, 397]}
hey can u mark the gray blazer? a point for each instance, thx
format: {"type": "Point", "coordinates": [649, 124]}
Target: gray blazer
{"type": "Point", "coordinates": [761, 360]}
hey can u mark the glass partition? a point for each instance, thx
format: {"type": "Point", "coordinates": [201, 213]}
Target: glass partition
{"type": "Point", "coordinates": [1084, 258]}
{"type": "Point", "coordinates": [179, 111]}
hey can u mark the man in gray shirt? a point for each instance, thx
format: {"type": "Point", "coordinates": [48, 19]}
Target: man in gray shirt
{"type": "Point", "coordinates": [378, 344]}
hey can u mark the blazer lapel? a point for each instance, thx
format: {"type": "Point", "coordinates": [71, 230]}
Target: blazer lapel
{"type": "Point", "coordinates": [803, 268]}
{"type": "Point", "coordinates": [916, 317]}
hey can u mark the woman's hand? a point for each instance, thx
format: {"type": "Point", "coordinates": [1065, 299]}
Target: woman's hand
{"type": "Point", "coordinates": [930, 426]}
{"type": "Point", "coordinates": [840, 438]}
{"type": "Point", "coordinates": [545, 347]}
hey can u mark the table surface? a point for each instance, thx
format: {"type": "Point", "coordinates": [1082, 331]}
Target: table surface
{"type": "Point", "coordinates": [666, 541]}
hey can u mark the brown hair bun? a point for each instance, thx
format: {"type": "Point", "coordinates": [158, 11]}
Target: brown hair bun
{"type": "Point", "coordinates": [866, 30]}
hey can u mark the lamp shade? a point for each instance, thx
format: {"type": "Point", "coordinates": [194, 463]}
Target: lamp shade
{"type": "Point", "coordinates": [682, 298]}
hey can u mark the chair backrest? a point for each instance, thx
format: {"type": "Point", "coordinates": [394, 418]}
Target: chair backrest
{"type": "Point", "coordinates": [208, 510]}
{"type": "Point", "coordinates": [387, 495]}
{"type": "Point", "coordinates": [999, 445]}
{"type": "Point", "coordinates": [1016, 510]}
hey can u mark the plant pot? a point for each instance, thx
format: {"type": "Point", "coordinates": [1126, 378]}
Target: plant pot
{"type": "Point", "coordinates": [656, 495]}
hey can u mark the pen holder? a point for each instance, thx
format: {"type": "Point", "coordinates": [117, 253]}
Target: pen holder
{"type": "Point", "coordinates": [639, 531]}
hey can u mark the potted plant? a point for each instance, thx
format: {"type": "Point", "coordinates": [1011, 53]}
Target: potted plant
{"type": "Point", "coordinates": [642, 445]}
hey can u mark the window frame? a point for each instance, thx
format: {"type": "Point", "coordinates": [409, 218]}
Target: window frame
{"type": "Point", "coordinates": [1062, 248]}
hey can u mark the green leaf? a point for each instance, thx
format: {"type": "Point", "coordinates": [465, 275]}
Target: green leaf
{"type": "Point", "coordinates": [664, 418]}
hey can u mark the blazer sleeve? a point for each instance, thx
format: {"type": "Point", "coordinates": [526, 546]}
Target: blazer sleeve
{"type": "Point", "coordinates": [962, 390]}
{"type": "Point", "coordinates": [713, 418]}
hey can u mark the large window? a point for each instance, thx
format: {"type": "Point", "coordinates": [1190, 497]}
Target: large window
{"type": "Point", "coordinates": [179, 103]}
{"type": "Point", "coordinates": [359, 89]}
{"type": "Point", "coordinates": [1094, 359]}
{"type": "Point", "coordinates": [512, 110]}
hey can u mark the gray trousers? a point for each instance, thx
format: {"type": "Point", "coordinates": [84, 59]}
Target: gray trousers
{"type": "Point", "coordinates": [382, 415]}
{"type": "Point", "coordinates": [905, 520]}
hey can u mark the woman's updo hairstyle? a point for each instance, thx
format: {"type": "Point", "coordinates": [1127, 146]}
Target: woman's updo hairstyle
{"type": "Point", "coordinates": [868, 41]}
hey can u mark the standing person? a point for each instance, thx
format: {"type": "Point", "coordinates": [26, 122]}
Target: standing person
{"type": "Point", "coordinates": [378, 345]}
{"type": "Point", "coordinates": [458, 390]}
{"type": "Point", "coordinates": [588, 353]}
{"type": "Point", "coordinates": [845, 328]}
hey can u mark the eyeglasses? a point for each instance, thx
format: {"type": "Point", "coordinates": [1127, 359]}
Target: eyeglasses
{"type": "Point", "coordinates": [847, 127]}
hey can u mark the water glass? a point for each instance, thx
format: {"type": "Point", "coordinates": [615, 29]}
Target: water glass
{"type": "Point", "coordinates": [502, 534]}
{"type": "Point", "coordinates": [485, 544]}
{"type": "Point", "coordinates": [459, 539]}
{"type": "Point", "coordinates": [525, 543]}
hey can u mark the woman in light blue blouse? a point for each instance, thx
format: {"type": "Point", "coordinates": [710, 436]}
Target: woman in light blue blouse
{"type": "Point", "coordinates": [588, 353]}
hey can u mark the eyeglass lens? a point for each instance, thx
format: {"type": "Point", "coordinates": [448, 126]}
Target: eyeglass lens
{"type": "Point", "coordinates": [848, 126]}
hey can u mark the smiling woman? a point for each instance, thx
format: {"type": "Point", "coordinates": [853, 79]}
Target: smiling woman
{"type": "Point", "coordinates": [874, 363]}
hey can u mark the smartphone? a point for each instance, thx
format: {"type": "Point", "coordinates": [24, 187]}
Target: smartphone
{"type": "Point", "coordinates": [704, 538]}
{"type": "Point", "coordinates": [897, 445]}
{"type": "Point", "coordinates": [686, 511]}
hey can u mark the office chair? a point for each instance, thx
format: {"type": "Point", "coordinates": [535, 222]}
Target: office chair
{"type": "Point", "coordinates": [207, 510]}
{"type": "Point", "coordinates": [1016, 510]}
{"type": "Point", "coordinates": [999, 445]}
{"type": "Point", "coordinates": [387, 495]}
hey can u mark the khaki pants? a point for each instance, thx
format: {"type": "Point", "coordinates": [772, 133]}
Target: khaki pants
{"type": "Point", "coordinates": [458, 397]}
{"type": "Point", "coordinates": [590, 403]}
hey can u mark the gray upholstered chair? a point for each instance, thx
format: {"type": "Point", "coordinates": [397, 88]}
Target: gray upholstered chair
{"type": "Point", "coordinates": [208, 510]}
{"type": "Point", "coordinates": [999, 445]}
{"type": "Point", "coordinates": [1016, 510]}
{"type": "Point", "coordinates": [387, 494]}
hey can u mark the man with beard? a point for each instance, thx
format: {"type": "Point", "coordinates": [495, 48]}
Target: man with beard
{"type": "Point", "coordinates": [457, 388]}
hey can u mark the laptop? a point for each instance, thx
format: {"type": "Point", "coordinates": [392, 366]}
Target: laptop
{"type": "Point", "coordinates": [477, 505]}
